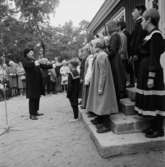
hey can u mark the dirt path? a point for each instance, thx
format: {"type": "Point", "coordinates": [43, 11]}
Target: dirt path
{"type": "Point", "coordinates": [52, 141]}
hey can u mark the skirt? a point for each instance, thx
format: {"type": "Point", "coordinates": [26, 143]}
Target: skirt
{"type": "Point", "coordinates": [150, 102]}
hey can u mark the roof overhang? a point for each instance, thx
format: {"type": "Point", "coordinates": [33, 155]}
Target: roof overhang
{"type": "Point", "coordinates": [103, 12]}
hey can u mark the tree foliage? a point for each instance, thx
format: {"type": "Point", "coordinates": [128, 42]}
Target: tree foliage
{"type": "Point", "coordinates": [69, 39]}
{"type": "Point", "coordinates": [36, 14]}
{"type": "Point", "coordinates": [32, 29]}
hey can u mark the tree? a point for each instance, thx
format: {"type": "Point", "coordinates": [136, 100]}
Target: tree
{"type": "Point", "coordinates": [32, 29]}
{"type": "Point", "coordinates": [3, 9]}
{"type": "Point", "coordinates": [36, 14]}
{"type": "Point", "coordinates": [17, 33]}
{"type": "Point", "coordinates": [83, 25]}
{"type": "Point", "coordinates": [67, 40]}
{"type": "Point", "coordinates": [14, 36]}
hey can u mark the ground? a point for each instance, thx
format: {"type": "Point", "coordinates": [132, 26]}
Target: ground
{"type": "Point", "coordinates": [53, 141]}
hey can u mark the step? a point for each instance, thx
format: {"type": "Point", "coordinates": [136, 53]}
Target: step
{"type": "Point", "coordinates": [111, 145]}
{"type": "Point", "coordinates": [131, 93]}
{"type": "Point", "coordinates": [127, 106]}
{"type": "Point", "coordinates": [122, 124]}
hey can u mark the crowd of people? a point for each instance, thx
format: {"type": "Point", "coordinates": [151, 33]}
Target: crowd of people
{"type": "Point", "coordinates": [107, 65]}
{"type": "Point", "coordinates": [117, 60]}
{"type": "Point", "coordinates": [13, 78]}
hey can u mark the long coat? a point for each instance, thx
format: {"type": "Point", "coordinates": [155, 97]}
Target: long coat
{"type": "Point", "coordinates": [151, 101]}
{"type": "Point", "coordinates": [12, 71]}
{"type": "Point", "coordinates": [102, 80]}
{"type": "Point", "coordinates": [118, 70]}
{"type": "Point", "coordinates": [34, 82]}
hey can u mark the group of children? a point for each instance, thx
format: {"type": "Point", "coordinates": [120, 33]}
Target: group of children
{"type": "Point", "coordinates": [105, 73]}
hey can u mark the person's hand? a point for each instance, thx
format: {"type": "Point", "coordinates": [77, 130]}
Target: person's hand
{"type": "Point", "coordinates": [100, 92]}
{"type": "Point", "coordinates": [135, 57]}
{"type": "Point", "coordinates": [54, 65]}
{"type": "Point", "coordinates": [122, 56]}
{"type": "Point", "coordinates": [130, 59]}
{"type": "Point", "coordinates": [150, 83]}
{"type": "Point", "coordinates": [43, 61]}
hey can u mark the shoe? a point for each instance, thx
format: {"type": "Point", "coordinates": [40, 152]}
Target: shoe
{"type": "Point", "coordinates": [98, 126]}
{"type": "Point", "coordinates": [96, 121]}
{"type": "Point", "coordinates": [155, 134]}
{"type": "Point", "coordinates": [148, 131]}
{"type": "Point", "coordinates": [91, 115]}
{"type": "Point", "coordinates": [103, 129]}
{"type": "Point", "coordinates": [39, 114]}
{"type": "Point", "coordinates": [33, 117]}
{"type": "Point", "coordinates": [73, 120]}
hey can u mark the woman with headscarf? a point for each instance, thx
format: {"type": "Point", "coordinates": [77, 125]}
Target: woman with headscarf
{"type": "Point", "coordinates": [102, 97]}
{"type": "Point", "coordinates": [13, 82]}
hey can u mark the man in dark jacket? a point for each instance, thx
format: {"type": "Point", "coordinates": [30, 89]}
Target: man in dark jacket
{"type": "Point", "coordinates": [34, 83]}
{"type": "Point", "coordinates": [136, 39]}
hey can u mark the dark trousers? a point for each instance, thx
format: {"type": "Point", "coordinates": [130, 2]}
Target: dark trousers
{"type": "Point", "coordinates": [33, 105]}
{"type": "Point", "coordinates": [46, 83]}
{"type": "Point", "coordinates": [133, 69]}
{"type": "Point", "coordinates": [74, 105]}
{"type": "Point", "coordinates": [64, 87]}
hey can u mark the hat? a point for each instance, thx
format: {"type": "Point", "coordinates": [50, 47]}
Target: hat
{"type": "Point", "coordinates": [27, 50]}
{"type": "Point", "coordinates": [74, 63]}
{"type": "Point", "coordinates": [98, 43]}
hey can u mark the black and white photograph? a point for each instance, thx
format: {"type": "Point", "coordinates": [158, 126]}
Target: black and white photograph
{"type": "Point", "coordinates": [82, 83]}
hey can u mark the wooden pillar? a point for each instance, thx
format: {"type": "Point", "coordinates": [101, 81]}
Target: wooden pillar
{"type": "Point", "coordinates": [162, 15]}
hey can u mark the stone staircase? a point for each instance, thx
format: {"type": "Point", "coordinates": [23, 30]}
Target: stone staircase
{"type": "Point", "coordinates": [125, 137]}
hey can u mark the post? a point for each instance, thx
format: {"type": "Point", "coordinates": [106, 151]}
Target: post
{"type": "Point", "coordinates": [6, 111]}
{"type": "Point", "coordinates": [161, 4]}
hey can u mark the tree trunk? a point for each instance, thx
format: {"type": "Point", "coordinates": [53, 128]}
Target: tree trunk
{"type": "Point", "coordinates": [43, 48]}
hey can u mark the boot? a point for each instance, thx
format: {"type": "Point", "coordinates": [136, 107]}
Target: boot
{"type": "Point", "coordinates": [158, 131]}
{"type": "Point", "coordinates": [96, 120]}
{"type": "Point", "coordinates": [151, 126]}
{"type": "Point", "coordinates": [105, 126]}
{"type": "Point", "coordinates": [91, 114]}
{"type": "Point", "coordinates": [39, 114]}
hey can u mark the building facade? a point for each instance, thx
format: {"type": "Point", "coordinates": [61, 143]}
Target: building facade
{"type": "Point", "coordinates": [121, 10]}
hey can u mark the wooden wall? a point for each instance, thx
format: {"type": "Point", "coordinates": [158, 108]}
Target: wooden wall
{"type": "Point", "coordinates": [129, 6]}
